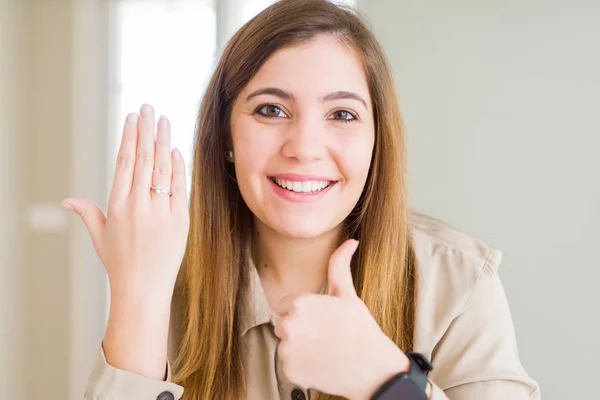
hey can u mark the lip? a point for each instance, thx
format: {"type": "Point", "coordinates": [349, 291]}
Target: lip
{"type": "Point", "coordinates": [301, 178]}
{"type": "Point", "coordinates": [299, 197]}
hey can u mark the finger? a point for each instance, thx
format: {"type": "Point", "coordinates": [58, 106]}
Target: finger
{"type": "Point", "coordinates": [178, 184]}
{"type": "Point", "coordinates": [125, 161]}
{"type": "Point", "coordinates": [92, 217]}
{"type": "Point", "coordinates": [340, 274]}
{"type": "Point", "coordinates": [285, 305]}
{"type": "Point", "coordinates": [162, 161]}
{"type": "Point", "coordinates": [144, 163]}
{"type": "Point", "coordinates": [281, 328]}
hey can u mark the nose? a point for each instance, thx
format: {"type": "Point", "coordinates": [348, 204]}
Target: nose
{"type": "Point", "coordinates": [305, 140]}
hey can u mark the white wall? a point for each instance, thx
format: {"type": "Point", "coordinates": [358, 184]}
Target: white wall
{"type": "Point", "coordinates": [90, 135]}
{"type": "Point", "coordinates": [52, 145]}
{"type": "Point", "coordinates": [10, 274]}
{"type": "Point", "coordinates": [34, 128]}
{"type": "Point", "coordinates": [501, 100]}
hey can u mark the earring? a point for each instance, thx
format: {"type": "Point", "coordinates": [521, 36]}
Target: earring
{"type": "Point", "coordinates": [229, 155]}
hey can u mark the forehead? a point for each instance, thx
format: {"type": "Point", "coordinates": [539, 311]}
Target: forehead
{"type": "Point", "coordinates": [313, 68]}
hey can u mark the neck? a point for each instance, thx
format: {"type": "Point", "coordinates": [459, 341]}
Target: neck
{"type": "Point", "coordinates": [293, 265]}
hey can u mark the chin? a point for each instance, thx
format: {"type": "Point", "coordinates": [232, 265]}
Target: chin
{"type": "Point", "coordinates": [301, 228]}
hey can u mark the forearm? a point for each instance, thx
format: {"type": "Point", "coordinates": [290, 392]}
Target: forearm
{"type": "Point", "coordinates": [136, 336]}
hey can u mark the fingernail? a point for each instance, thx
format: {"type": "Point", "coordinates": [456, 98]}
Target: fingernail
{"type": "Point", "coordinates": [163, 122]}
{"type": "Point", "coordinates": [145, 110]}
{"type": "Point", "coordinates": [132, 119]}
{"type": "Point", "coordinates": [355, 246]}
{"type": "Point", "coordinates": [67, 206]}
{"type": "Point", "coordinates": [176, 154]}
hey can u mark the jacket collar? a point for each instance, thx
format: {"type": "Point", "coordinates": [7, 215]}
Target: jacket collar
{"type": "Point", "coordinates": [257, 310]}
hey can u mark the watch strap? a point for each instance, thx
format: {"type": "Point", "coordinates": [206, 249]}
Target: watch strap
{"type": "Point", "coordinates": [419, 368]}
{"type": "Point", "coordinates": [411, 381]}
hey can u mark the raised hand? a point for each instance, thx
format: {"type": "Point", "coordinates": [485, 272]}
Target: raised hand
{"type": "Point", "coordinates": [331, 342]}
{"type": "Point", "coordinates": [141, 242]}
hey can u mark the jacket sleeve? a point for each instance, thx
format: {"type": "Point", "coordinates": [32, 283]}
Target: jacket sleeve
{"type": "Point", "coordinates": [477, 357]}
{"type": "Point", "coordinates": [109, 383]}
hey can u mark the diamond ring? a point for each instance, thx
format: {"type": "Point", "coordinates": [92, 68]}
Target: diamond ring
{"type": "Point", "coordinates": [160, 190]}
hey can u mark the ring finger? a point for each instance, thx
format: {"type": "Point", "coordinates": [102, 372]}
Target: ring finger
{"type": "Point", "coordinates": [161, 176]}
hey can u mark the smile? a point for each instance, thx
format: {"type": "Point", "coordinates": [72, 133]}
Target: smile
{"type": "Point", "coordinates": [301, 187]}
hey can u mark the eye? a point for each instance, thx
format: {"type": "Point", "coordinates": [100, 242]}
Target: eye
{"type": "Point", "coordinates": [271, 111]}
{"type": "Point", "coordinates": [343, 115]}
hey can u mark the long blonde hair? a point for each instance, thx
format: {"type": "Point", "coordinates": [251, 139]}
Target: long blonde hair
{"type": "Point", "coordinates": [213, 280]}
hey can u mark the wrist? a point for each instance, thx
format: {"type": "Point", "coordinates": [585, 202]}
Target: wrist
{"type": "Point", "coordinates": [140, 311]}
{"type": "Point", "coordinates": [136, 337]}
{"type": "Point", "coordinates": [429, 389]}
{"type": "Point", "coordinates": [411, 382]}
{"type": "Point", "coordinates": [147, 296]}
{"type": "Point", "coordinates": [391, 363]}
{"type": "Point", "coordinates": [138, 328]}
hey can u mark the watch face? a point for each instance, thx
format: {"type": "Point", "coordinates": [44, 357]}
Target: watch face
{"type": "Point", "coordinates": [404, 388]}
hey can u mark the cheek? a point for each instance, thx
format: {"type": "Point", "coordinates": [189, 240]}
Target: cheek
{"type": "Point", "coordinates": [253, 147]}
{"type": "Point", "coordinates": [354, 158]}
{"type": "Point", "coordinates": [251, 138]}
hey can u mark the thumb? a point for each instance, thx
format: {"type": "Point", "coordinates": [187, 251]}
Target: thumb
{"type": "Point", "coordinates": [340, 274]}
{"type": "Point", "coordinates": [90, 213]}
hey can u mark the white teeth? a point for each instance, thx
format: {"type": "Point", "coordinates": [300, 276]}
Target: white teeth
{"type": "Point", "coordinates": [302, 187]}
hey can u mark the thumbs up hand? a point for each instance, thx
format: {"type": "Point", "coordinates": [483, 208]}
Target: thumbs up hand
{"type": "Point", "coordinates": [331, 342]}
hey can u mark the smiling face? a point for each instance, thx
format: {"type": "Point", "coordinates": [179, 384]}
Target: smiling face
{"type": "Point", "coordinates": [303, 136]}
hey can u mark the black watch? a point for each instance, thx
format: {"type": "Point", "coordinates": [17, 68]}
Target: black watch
{"type": "Point", "coordinates": [407, 385]}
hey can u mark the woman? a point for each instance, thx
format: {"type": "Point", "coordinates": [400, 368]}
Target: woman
{"type": "Point", "coordinates": [305, 275]}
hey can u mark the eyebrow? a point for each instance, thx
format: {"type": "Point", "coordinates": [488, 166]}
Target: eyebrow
{"type": "Point", "coordinates": [272, 91]}
{"type": "Point", "coordinates": [342, 94]}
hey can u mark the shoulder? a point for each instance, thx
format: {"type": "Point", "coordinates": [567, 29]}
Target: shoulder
{"type": "Point", "coordinates": [449, 266]}
{"type": "Point", "coordinates": [441, 248]}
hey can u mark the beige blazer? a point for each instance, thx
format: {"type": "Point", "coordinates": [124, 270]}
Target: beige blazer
{"type": "Point", "coordinates": [463, 324]}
